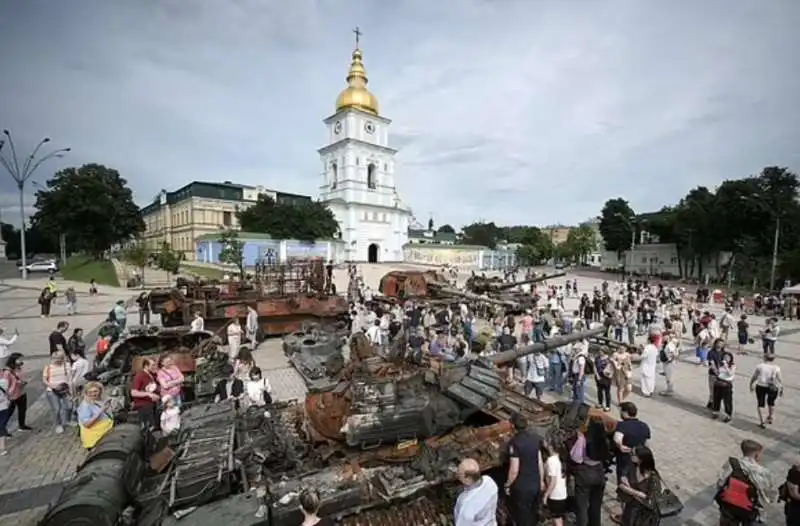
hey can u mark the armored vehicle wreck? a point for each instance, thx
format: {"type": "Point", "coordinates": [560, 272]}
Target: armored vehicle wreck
{"type": "Point", "coordinates": [285, 295]}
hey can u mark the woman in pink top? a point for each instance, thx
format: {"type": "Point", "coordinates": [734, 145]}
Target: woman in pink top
{"type": "Point", "coordinates": [170, 378]}
{"type": "Point", "coordinates": [527, 324]}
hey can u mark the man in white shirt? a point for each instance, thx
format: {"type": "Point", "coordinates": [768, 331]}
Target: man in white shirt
{"type": "Point", "coordinates": [536, 375]}
{"type": "Point", "coordinates": [374, 333]}
{"type": "Point", "coordinates": [477, 503]}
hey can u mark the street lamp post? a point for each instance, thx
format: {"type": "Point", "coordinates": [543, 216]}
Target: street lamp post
{"type": "Point", "coordinates": [21, 172]}
{"type": "Point", "coordinates": [775, 253]}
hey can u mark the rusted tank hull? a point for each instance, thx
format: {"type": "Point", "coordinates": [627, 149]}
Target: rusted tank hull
{"type": "Point", "coordinates": [278, 316]}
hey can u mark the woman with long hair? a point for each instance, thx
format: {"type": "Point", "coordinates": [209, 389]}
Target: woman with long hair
{"type": "Point", "coordinates": [555, 493]}
{"type": "Point", "coordinates": [639, 489]}
{"type": "Point", "coordinates": [723, 386]}
{"type": "Point", "coordinates": [623, 371]}
{"type": "Point", "coordinates": [589, 455]}
{"type": "Point", "coordinates": [170, 379]}
{"type": "Point", "coordinates": [244, 362]}
{"type": "Point", "coordinates": [57, 378]}
{"type": "Point", "coordinates": [16, 390]}
{"type": "Point", "coordinates": [768, 386]}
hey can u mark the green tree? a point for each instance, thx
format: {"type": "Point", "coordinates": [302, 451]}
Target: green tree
{"type": "Point", "coordinates": [696, 231]}
{"type": "Point", "coordinates": [305, 221]}
{"type": "Point", "coordinates": [446, 229]}
{"type": "Point", "coordinates": [483, 234]}
{"type": "Point", "coordinates": [168, 260]}
{"type": "Point", "coordinates": [91, 205]}
{"type": "Point", "coordinates": [617, 225]}
{"type": "Point", "coordinates": [536, 246]}
{"type": "Point", "coordinates": [581, 241]}
{"type": "Point", "coordinates": [137, 255]}
{"type": "Point", "coordinates": [232, 250]}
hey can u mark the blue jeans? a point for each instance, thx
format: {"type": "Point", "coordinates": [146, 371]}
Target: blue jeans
{"type": "Point", "coordinates": [538, 334]}
{"type": "Point", "coordinates": [555, 375]}
{"type": "Point", "coordinates": [579, 390]}
{"type": "Point", "coordinates": [61, 407]}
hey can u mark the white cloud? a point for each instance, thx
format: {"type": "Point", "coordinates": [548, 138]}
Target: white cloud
{"type": "Point", "coordinates": [514, 111]}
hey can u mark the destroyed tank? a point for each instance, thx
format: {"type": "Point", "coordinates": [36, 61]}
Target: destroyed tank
{"type": "Point", "coordinates": [429, 286]}
{"type": "Point", "coordinates": [284, 295]}
{"type": "Point", "coordinates": [517, 301]}
{"type": "Point", "coordinates": [380, 401]}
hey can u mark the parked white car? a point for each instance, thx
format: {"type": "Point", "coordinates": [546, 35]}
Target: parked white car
{"type": "Point", "coordinates": [50, 266]}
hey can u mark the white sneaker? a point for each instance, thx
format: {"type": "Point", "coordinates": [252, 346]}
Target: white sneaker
{"type": "Point", "coordinates": [59, 430]}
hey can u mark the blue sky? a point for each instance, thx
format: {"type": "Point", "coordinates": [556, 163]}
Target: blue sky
{"type": "Point", "coordinates": [520, 112]}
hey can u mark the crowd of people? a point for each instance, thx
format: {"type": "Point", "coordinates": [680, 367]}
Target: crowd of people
{"type": "Point", "coordinates": [670, 323]}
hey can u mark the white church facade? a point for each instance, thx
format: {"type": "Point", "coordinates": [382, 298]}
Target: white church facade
{"type": "Point", "coordinates": [359, 184]}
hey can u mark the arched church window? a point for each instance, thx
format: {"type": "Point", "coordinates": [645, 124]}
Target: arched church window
{"type": "Point", "coordinates": [371, 177]}
{"type": "Point", "coordinates": [334, 175]}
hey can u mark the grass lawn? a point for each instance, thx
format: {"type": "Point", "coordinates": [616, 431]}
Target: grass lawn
{"type": "Point", "coordinates": [84, 268]}
{"type": "Point", "coordinates": [203, 272]}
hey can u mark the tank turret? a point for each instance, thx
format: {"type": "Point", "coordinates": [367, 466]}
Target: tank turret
{"type": "Point", "coordinates": [479, 285]}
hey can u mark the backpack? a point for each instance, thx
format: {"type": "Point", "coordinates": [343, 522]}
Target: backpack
{"type": "Point", "coordinates": [602, 364]}
{"type": "Point", "coordinates": [738, 496]}
{"type": "Point", "coordinates": [662, 354]}
{"type": "Point", "coordinates": [588, 368]}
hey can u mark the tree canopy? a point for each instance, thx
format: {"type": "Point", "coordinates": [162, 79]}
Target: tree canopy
{"type": "Point", "coordinates": [446, 229]}
{"type": "Point", "coordinates": [581, 242]}
{"type": "Point", "coordinates": [740, 217]}
{"type": "Point", "coordinates": [616, 225]}
{"type": "Point", "coordinates": [303, 221]}
{"type": "Point", "coordinates": [91, 205]}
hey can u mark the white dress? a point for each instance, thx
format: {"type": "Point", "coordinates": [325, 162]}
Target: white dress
{"type": "Point", "coordinates": [234, 340]}
{"type": "Point", "coordinates": [648, 369]}
{"type": "Point", "coordinates": [251, 326]}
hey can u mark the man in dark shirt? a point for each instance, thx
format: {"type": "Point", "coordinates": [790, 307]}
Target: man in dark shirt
{"type": "Point", "coordinates": [57, 340]}
{"type": "Point", "coordinates": [629, 433]}
{"type": "Point", "coordinates": [525, 481]}
{"type": "Point", "coordinates": [506, 341]}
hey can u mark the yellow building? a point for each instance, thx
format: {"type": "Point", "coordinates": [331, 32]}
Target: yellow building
{"type": "Point", "coordinates": [180, 217]}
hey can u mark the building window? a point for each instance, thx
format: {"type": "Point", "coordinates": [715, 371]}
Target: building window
{"type": "Point", "coordinates": [644, 260]}
{"type": "Point", "coordinates": [227, 218]}
{"type": "Point", "coordinates": [335, 174]}
{"type": "Point", "coordinates": [371, 177]}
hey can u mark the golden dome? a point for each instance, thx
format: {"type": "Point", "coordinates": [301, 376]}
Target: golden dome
{"type": "Point", "coordinates": [356, 95]}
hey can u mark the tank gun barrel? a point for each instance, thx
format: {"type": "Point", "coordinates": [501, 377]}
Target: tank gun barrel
{"type": "Point", "coordinates": [490, 286]}
{"type": "Point", "coordinates": [557, 341]}
{"type": "Point", "coordinates": [476, 297]}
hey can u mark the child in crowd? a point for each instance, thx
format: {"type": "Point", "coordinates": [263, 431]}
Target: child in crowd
{"type": "Point", "coordinates": [170, 416]}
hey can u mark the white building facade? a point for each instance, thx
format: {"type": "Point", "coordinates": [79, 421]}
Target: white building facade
{"type": "Point", "coordinates": [359, 183]}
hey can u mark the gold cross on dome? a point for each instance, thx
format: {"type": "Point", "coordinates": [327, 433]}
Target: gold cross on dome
{"type": "Point", "coordinates": [358, 33]}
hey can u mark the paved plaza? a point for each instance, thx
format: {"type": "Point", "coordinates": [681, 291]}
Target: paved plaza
{"type": "Point", "coordinates": [689, 446]}
{"type": "Point", "coordinates": [39, 461]}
